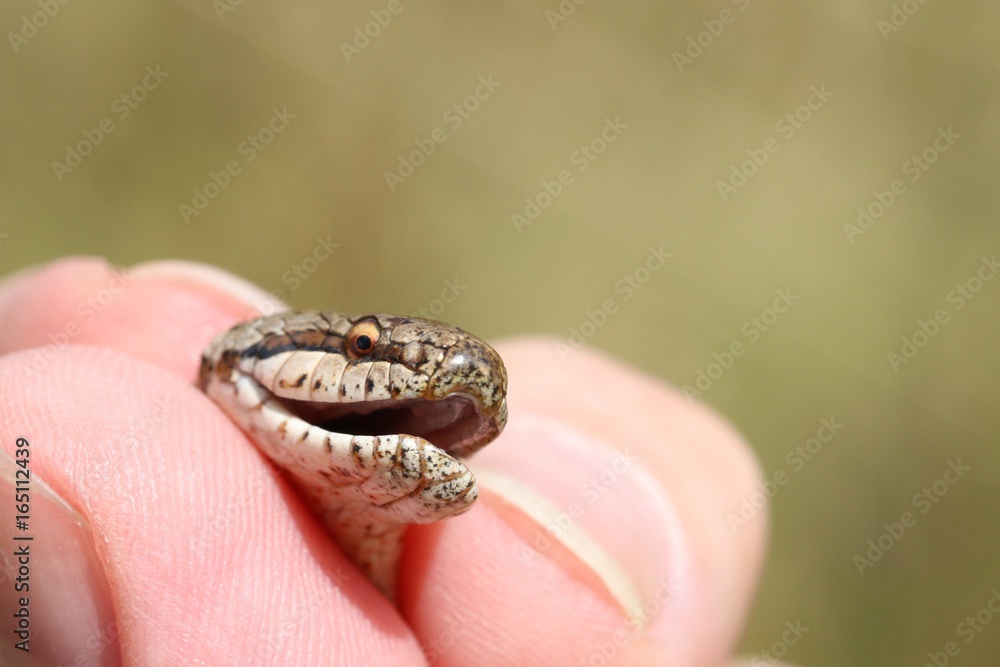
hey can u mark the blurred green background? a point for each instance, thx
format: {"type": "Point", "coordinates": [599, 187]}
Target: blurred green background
{"type": "Point", "coordinates": [739, 136]}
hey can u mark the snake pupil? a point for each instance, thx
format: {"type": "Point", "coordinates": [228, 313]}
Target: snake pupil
{"type": "Point", "coordinates": [361, 339]}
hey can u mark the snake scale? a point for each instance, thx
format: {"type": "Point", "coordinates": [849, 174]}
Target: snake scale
{"type": "Point", "coordinates": [368, 415]}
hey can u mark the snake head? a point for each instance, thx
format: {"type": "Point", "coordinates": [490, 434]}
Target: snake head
{"type": "Point", "coordinates": [374, 375]}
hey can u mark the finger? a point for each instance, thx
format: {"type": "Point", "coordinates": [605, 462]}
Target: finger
{"type": "Point", "coordinates": [199, 553]}
{"type": "Point", "coordinates": [163, 312]}
{"type": "Point", "coordinates": [635, 565]}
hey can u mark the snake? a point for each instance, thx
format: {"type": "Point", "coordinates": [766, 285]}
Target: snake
{"type": "Point", "coordinates": [368, 415]}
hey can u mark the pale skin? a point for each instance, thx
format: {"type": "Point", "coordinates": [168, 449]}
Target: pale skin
{"type": "Point", "coordinates": [208, 556]}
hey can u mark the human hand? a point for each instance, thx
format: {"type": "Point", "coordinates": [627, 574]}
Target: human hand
{"type": "Point", "coordinates": [202, 554]}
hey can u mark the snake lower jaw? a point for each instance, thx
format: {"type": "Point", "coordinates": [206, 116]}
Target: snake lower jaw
{"type": "Point", "coordinates": [390, 478]}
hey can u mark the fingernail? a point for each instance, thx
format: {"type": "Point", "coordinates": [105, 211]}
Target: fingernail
{"type": "Point", "coordinates": [223, 281]}
{"type": "Point", "coordinates": [55, 603]}
{"type": "Point", "coordinates": [601, 505]}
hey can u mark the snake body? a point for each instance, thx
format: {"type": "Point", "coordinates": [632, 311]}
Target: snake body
{"type": "Point", "coordinates": [367, 414]}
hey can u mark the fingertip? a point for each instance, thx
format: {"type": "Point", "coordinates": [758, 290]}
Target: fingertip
{"type": "Point", "coordinates": [474, 592]}
{"type": "Point", "coordinates": [37, 299]}
{"type": "Point", "coordinates": [164, 312]}
{"type": "Point", "coordinates": [704, 463]}
{"type": "Point", "coordinates": [657, 515]}
{"type": "Point", "coordinates": [234, 291]}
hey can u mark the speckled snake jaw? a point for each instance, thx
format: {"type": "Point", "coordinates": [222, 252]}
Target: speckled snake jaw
{"type": "Point", "coordinates": [365, 489]}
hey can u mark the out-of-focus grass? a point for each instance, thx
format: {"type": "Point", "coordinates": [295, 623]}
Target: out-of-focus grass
{"type": "Point", "coordinates": [681, 131]}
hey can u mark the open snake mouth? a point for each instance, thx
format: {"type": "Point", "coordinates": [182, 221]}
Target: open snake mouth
{"type": "Point", "coordinates": [454, 424]}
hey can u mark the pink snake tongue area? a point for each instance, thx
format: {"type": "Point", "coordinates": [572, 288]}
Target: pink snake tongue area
{"type": "Point", "coordinates": [367, 414]}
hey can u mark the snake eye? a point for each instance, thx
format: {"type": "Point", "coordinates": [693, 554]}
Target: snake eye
{"type": "Point", "coordinates": [361, 339]}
